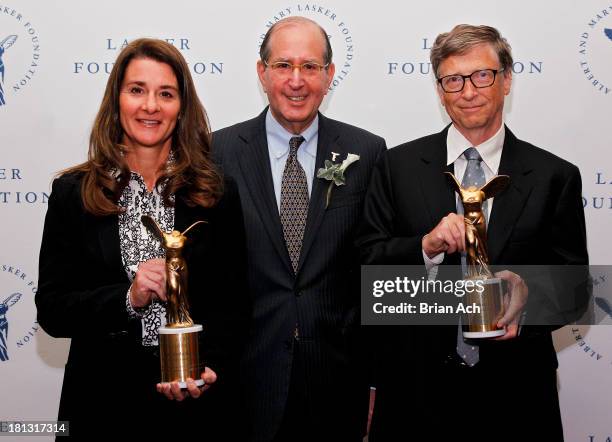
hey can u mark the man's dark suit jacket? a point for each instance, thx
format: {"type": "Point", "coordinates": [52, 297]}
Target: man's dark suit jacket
{"type": "Point", "coordinates": [537, 220]}
{"type": "Point", "coordinates": [110, 378]}
{"type": "Point", "coordinates": [322, 300]}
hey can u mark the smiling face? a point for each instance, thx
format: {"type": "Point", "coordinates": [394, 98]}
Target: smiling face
{"type": "Point", "coordinates": [475, 112]}
{"type": "Point", "coordinates": [295, 98]}
{"type": "Point", "coordinates": [149, 104]}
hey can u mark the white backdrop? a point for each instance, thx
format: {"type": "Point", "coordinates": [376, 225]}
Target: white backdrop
{"type": "Point", "coordinates": [55, 72]}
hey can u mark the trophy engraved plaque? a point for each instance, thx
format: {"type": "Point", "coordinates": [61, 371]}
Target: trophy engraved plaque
{"type": "Point", "coordinates": [179, 339]}
{"type": "Point", "coordinates": [483, 322]}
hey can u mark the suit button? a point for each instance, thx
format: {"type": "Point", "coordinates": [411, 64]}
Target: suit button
{"type": "Point", "coordinates": [296, 333]}
{"type": "Point", "coordinates": [298, 294]}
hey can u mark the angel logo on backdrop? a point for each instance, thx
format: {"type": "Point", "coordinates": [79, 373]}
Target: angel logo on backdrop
{"type": "Point", "coordinates": [15, 332]}
{"type": "Point", "coordinates": [4, 45]}
{"type": "Point", "coordinates": [19, 53]}
{"type": "Point", "coordinates": [420, 66]}
{"type": "Point", "coordinates": [337, 30]}
{"type": "Point", "coordinates": [4, 307]}
{"type": "Point", "coordinates": [197, 65]}
{"type": "Point", "coordinates": [595, 51]}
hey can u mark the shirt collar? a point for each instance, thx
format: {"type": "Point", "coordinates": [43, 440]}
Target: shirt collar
{"type": "Point", "coordinates": [114, 172]}
{"type": "Point", "coordinates": [281, 137]}
{"type": "Point", "coordinates": [490, 151]}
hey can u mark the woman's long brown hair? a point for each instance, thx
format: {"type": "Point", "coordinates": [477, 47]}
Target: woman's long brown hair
{"type": "Point", "coordinates": [192, 172]}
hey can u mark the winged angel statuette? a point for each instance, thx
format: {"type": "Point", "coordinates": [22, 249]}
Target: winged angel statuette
{"type": "Point", "coordinates": [177, 311]}
{"type": "Point", "coordinates": [475, 222]}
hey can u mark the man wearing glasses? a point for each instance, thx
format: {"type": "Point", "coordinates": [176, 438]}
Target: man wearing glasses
{"type": "Point", "coordinates": [430, 382]}
{"type": "Point", "coordinates": [302, 376]}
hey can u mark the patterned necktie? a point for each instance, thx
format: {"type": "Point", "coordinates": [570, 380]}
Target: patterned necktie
{"type": "Point", "coordinates": [294, 202]}
{"type": "Point", "coordinates": [474, 176]}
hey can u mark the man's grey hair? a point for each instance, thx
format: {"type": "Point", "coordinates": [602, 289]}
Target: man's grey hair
{"type": "Point", "coordinates": [462, 38]}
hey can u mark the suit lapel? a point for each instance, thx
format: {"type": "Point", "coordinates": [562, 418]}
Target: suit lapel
{"type": "Point", "coordinates": [108, 237]}
{"type": "Point", "coordinates": [326, 144]}
{"type": "Point", "coordinates": [438, 196]}
{"type": "Point", "coordinates": [254, 162]}
{"type": "Point", "coordinates": [508, 205]}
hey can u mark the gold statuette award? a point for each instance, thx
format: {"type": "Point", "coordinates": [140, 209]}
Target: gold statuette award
{"type": "Point", "coordinates": [482, 324]}
{"type": "Point", "coordinates": [178, 340]}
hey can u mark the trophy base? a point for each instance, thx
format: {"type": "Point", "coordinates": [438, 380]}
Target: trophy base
{"type": "Point", "coordinates": [485, 334]}
{"type": "Point", "coordinates": [483, 322]}
{"type": "Point", "coordinates": [198, 382]}
{"type": "Point", "coordinates": [179, 354]}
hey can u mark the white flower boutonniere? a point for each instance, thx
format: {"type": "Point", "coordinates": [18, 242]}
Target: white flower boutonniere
{"type": "Point", "coordinates": [334, 172]}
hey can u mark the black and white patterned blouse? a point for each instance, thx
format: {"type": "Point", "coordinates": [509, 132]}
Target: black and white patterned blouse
{"type": "Point", "coordinates": [139, 245]}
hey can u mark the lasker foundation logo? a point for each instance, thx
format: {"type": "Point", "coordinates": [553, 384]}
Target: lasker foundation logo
{"type": "Point", "coordinates": [19, 53]}
{"type": "Point", "coordinates": [14, 190]}
{"type": "Point", "coordinates": [419, 65]}
{"type": "Point", "coordinates": [338, 31]}
{"type": "Point", "coordinates": [17, 326]}
{"type": "Point", "coordinates": [594, 341]}
{"type": "Point", "coordinates": [595, 51]}
{"type": "Point", "coordinates": [109, 49]}
{"type": "Point", "coordinates": [601, 196]}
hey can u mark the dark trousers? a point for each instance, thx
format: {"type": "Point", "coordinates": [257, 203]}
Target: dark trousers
{"type": "Point", "coordinates": [303, 420]}
{"type": "Point", "coordinates": [481, 403]}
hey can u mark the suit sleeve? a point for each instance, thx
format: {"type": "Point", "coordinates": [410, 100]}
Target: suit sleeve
{"type": "Point", "coordinates": [378, 239]}
{"type": "Point", "coordinates": [569, 230]}
{"type": "Point", "coordinates": [569, 286]}
{"type": "Point", "coordinates": [571, 214]}
{"type": "Point", "coordinates": [68, 304]}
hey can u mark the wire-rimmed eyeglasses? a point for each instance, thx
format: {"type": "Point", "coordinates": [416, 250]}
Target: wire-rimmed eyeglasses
{"type": "Point", "coordinates": [286, 68]}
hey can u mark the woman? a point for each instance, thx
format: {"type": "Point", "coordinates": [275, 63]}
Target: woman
{"type": "Point", "coordinates": [102, 274]}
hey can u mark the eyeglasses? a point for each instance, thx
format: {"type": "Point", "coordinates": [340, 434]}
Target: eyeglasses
{"type": "Point", "coordinates": [480, 79]}
{"type": "Point", "coordinates": [284, 68]}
